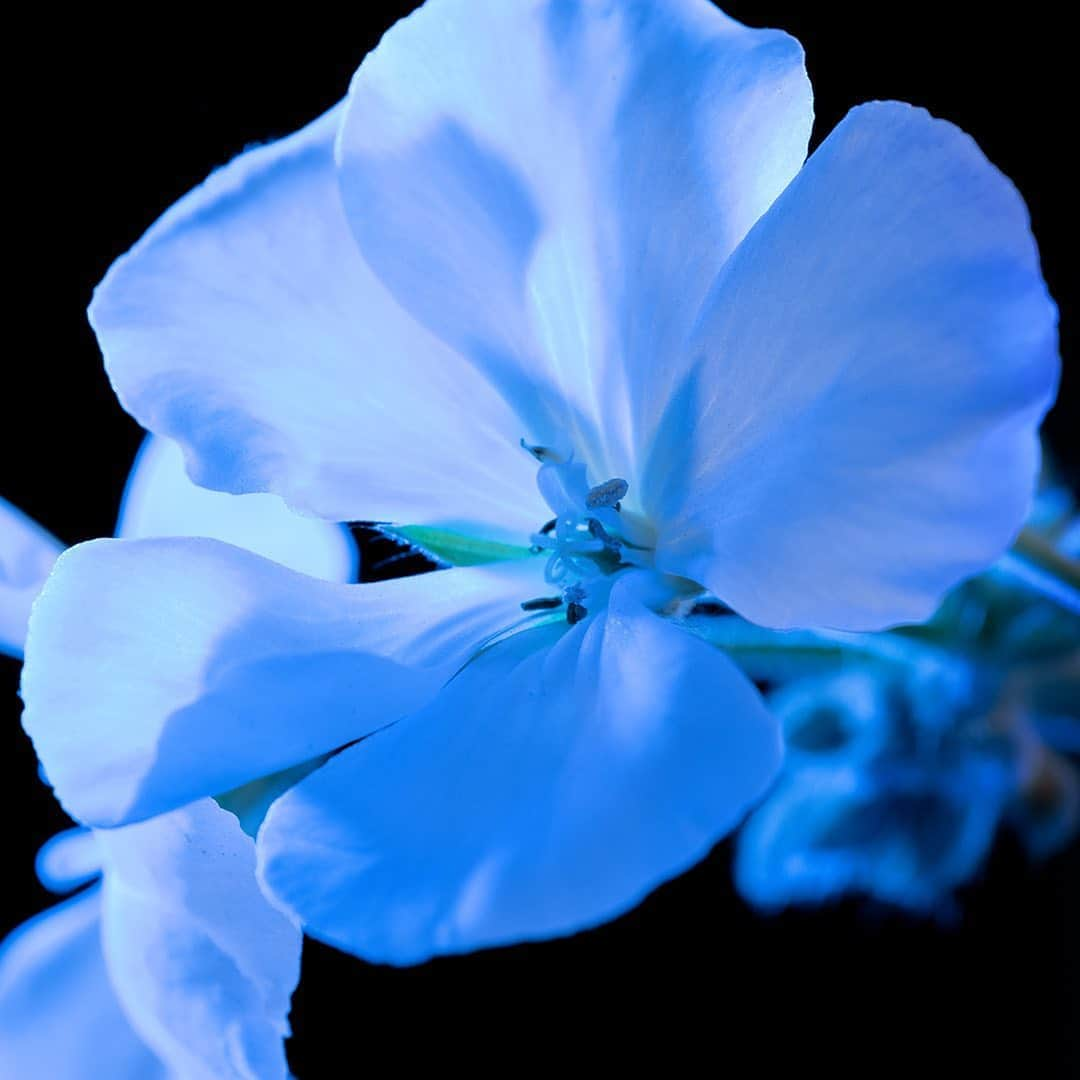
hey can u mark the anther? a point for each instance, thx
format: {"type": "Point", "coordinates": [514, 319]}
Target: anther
{"type": "Point", "coordinates": [549, 527]}
{"type": "Point", "coordinates": [575, 612]}
{"type": "Point", "coordinates": [542, 603]}
{"type": "Point", "coordinates": [574, 594]}
{"type": "Point", "coordinates": [607, 495]}
{"type": "Point", "coordinates": [598, 532]}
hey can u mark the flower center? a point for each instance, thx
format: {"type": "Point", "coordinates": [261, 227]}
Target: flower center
{"type": "Point", "coordinates": [589, 539]}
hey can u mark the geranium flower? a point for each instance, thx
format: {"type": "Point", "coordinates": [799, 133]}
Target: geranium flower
{"type": "Point", "coordinates": [174, 964]}
{"type": "Point", "coordinates": [811, 390]}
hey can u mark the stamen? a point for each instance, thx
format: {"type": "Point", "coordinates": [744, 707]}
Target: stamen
{"type": "Point", "coordinates": [608, 494]}
{"type": "Point", "coordinates": [598, 532]}
{"type": "Point", "coordinates": [542, 603]}
{"type": "Point", "coordinates": [575, 613]}
{"type": "Point", "coordinates": [584, 542]}
{"type": "Point", "coordinates": [574, 594]}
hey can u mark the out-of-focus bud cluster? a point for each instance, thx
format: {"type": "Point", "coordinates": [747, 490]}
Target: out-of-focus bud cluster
{"type": "Point", "coordinates": [899, 775]}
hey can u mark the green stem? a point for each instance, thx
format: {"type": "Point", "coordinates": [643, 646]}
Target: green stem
{"type": "Point", "coordinates": [1044, 568]}
{"type": "Point", "coordinates": [786, 654]}
{"type": "Point", "coordinates": [1034, 548]}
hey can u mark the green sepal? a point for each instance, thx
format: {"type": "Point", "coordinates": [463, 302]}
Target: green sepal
{"type": "Point", "coordinates": [250, 802]}
{"type": "Point", "coordinates": [457, 549]}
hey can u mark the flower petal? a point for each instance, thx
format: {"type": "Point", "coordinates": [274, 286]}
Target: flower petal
{"type": "Point", "coordinates": [245, 326]}
{"type": "Point", "coordinates": [550, 188]}
{"type": "Point", "coordinates": [159, 671]}
{"type": "Point", "coordinates": [27, 554]}
{"type": "Point", "coordinates": [59, 1016]}
{"type": "Point", "coordinates": [860, 432]}
{"type": "Point", "coordinates": [202, 963]}
{"type": "Point", "coordinates": [69, 859]}
{"type": "Point", "coordinates": [557, 780]}
{"type": "Point", "coordinates": [160, 500]}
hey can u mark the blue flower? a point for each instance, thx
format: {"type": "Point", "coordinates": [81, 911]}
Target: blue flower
{"type": "Point", "coordinates": [175, 964]}
{"type": "Point", "coordinates": [812, 390]}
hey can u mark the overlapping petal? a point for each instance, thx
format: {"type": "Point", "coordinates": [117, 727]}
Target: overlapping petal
{"type": "Point", "coordinates": [205, 666]}
{"type": "Point", "coordinates": [191, 979]}
{"type": "Point", "coordinates": [558, 779]}
{"type": "Point", "coordinates": [245, 326]}
{"type": "Point", "coordinates": [201, 961]}
{"type": "Point", "coordinates": [27, 554]}
{"type": "Point", "coordinates": [59, 1016]}
{"type": "Point", "coordinates": [859, 431]}
{"type": "Point", "coordinates": [160, 500]}
{"type": "Point", "coordinates": [550, 187]}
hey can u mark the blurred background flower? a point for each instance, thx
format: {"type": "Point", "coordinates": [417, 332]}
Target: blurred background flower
{"type": "Point", "coordinates": [902, 765]}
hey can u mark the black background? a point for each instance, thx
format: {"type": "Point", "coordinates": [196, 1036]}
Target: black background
{"type": "Point", "coordinates": [109, 119]}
